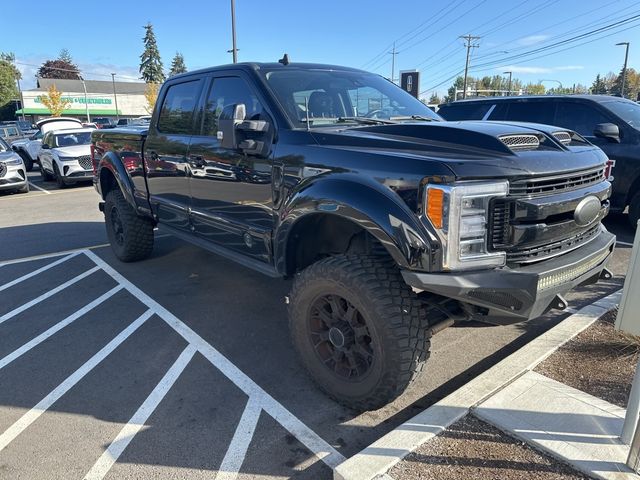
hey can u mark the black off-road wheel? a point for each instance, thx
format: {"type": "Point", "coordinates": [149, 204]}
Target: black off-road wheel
{"type": "Point", "coordinates": [634, 210]}
{"type": "Point", "coordinates": [360, 331]}
{"type": "Point", "coordinates": [130, 235]}
{"type": "Point", "coordinates": [28, 163]}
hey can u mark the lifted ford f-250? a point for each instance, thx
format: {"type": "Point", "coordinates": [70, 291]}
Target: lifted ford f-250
{"type": "Point", "coordinates": [392, 222]}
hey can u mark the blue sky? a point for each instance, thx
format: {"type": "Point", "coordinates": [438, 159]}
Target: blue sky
{"type": "Point", "coordinates": [105, 37]}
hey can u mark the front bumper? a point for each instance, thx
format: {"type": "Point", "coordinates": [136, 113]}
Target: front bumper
{"type": "Point", "coordinates": [73, 172]}
{"type": "Point", "coordinates": [14, 178]}
{"type": "Point", "coordinates": [513, 295]}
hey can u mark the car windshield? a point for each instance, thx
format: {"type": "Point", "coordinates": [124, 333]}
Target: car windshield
{"type": "Point", "coordinates": [328, 97]}
{"type": "Point", "coordinates": [627, 110]}
{"type": "Point", "coordinates": [73, 138]}
{"type": "Point", "coordinates": [24, 125]}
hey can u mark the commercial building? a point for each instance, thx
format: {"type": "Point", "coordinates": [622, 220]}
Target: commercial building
{"type": "Point", "coordinates": [100, 99]}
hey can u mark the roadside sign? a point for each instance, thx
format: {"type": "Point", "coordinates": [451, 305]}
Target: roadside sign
{"type": "Point", "coordinates": [410, 81]}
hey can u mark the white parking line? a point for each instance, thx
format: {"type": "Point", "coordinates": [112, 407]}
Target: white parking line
{"type": "Point", "coordinates": [32, 415]}
{"type": "Point", "coordinates": [129, 431]}
{"type": "Point", "coordinates": [277, 411]}
{"type": "Point", "coordinates": [40, 188]}
{"type": "Point", "coordinates": [234, 458]}
{"type": "Point", "coordinates": [56, 328]}
{"type": "Point", "coordinates": [47, 294]}
{"type": "Point", "coordinates": [36, 272]}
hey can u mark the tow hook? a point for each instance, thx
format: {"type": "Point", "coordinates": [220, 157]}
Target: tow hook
{"type": "Point", "coordinates": [606, 274]}
{"type": "Point", "coordinates": [559, 303]}
{"type": "Point", "coordinates": [101, 206]}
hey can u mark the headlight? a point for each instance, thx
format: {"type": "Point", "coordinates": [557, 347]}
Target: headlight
{"type": "Point", "coordinates": [67, 159]}
{"type": "Point", "coordinates": [459, 213]}
{"type": "Point", "coordinates": [13, 161]}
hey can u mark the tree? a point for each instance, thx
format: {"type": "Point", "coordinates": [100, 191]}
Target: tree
{"type": "Point", "coordinates": [8, 90]}
{"type": "Point", "coordinates": [434, 99]}
{"type": "Point", "coordinates": [54, 101]}
{"type": "Point", "coordinates": [62, 67]}
{"type": "Point", "coordinates": [534, 89]}
{"type": "Point", "coordinates": [451, 93]}
{"type": "Point", "coordinates": [151, 95]}
{"type": "Point", "coordinates": [598, 86]}
{"type": "Point", "coordinates": [150, 61]}
{"type": "Point", "coordinates": [177, 65]}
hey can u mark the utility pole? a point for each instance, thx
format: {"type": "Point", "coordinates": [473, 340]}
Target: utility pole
{"type": "Point", "coordinates": [234, 49]}
{"type": "Point", "coordinates": [469, 39]}
{"type": "Point", "coordinates": [86, 102]}
{"type": "Point", "coordinates": [624, 68]}
{"type": "Point", "coordinates": [393, 54]}
{"type": "Point", "coordinates": [21, 97]}
{"type": "Point", "coordinates": [115, 96]}
{"type": "Point", "coordinates": [510, 73]}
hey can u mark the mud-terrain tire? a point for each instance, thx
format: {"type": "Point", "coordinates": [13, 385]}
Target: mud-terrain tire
{"type": "Point", "coordinates": [130, 235]}
{"type": "Point", "coordinates": [634, 210]}
{"type": "Point", "coordinates": [28, 163]}
{"type": "Point", "coordinates": [366, 359]}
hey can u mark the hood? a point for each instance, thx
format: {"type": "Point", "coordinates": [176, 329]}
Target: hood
{"type": "Point", "coordinates": [472, 149]}
{"type": "Point", "coordinates": [8, 155]}
{"type": "Point", "coordinates": [74, 151]}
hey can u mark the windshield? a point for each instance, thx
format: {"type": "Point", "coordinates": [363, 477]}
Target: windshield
{"type": "Point", "coordinates": [72, 139]}
{"type": "Point", "coordinates": [24, 125]}
{"type": "Point", "coordinates": [627, 111]}
{"type": "Point", "coordinates": [336, 96]}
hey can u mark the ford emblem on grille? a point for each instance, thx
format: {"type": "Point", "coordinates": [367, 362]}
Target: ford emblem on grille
{"type": "Point", "coordinates": [587, 211]}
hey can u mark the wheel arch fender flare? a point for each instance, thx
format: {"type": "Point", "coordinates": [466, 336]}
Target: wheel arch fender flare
{"type": "Point", "coordinates": [111, 162]}
{"type": "Point", "coordinates": [369, 204]}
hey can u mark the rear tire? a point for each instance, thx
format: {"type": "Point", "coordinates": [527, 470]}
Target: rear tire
{"type": "Point", "coordinates": [366, 359]}
{"type": "Point", "coordinates": [130, 235]}
{"type": "Point", "coordinates": [634, 210]}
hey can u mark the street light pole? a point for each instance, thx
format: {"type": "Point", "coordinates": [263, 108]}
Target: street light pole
{"type": "Point", "coordinates": [86, 103]}
{"type": "Point", "coordinates": [115, 96]}
{"type": "Point", "coordinates": [234, 49]}
{"type": "Point", "coordinates": [624, 68]}
{"type": "Point", "coordinates": [21, 97]}
{"type": "Point", "coordinates": [510, 73]}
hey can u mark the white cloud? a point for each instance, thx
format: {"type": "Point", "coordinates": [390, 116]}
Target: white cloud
{"type": "Point", "coordinates": [532, 40]}
{"type": "Point", "coordinates": [532, 70]}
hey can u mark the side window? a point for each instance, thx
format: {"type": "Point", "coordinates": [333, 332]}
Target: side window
{"type": "Point", "coordinates": [227, 91]}
{"type": "Point", "coordinates": [531, 111]}
{"type": "Point", "coordinates": [580, 117]}
{"type": "Point", "coordinates": [12, 131]}
{"type": "Point", "coordinates": [465, 111]}
{"type": "Point", "coordinates": [178, 107]}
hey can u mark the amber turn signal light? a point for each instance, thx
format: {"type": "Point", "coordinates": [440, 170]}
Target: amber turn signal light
{"type": "Point", "coordinates": [435, 206]}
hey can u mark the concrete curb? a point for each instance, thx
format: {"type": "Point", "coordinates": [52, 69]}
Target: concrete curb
{"type": "Point", "coordinates": [378, 458]}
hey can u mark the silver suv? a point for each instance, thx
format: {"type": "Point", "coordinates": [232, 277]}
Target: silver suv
{"type": "Point", "coordinates": [13, 174]}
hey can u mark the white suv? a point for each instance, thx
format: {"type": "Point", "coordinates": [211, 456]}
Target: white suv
{"type": "Point", "coordinates": [65, 156]}
{"type": "Point", "coordinates": [13, 175]}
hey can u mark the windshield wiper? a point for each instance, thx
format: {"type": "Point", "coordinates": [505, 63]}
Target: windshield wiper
{"type": "Point", "coordinates": [415, 117]}
{"type": "Point", "coordinates": [365, 120]}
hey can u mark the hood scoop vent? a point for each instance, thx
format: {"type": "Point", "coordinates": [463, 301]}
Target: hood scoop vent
{"type": "Point", "coordinates": [563, 137]}
{"type": "Point", "coordinates": [521, 142]}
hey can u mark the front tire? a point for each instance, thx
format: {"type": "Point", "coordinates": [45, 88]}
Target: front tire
{"type": "Point", "coordinates": [28, 163]}
{"type": "Point", "coordinates": [359, 330]}
{"type": "Point", "coordinates": [634, 210]}
{"type": "Point", "coordinates": [46, 176]}
{"type": "Point", "coordinates": [130, 235]}
{"type": "Point", "coordinates": [59, 178]}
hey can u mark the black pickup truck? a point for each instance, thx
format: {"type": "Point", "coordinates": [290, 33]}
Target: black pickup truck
{"type": "Point", "coordinates": [392, 223]}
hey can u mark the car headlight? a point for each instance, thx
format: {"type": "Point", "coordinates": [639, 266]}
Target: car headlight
{"type": "Point", "coordinates": [459, 213]}
{"type": "Point", "coordinates": [13, 161]}
{"type": "Point", "coordinates": [67, 159]}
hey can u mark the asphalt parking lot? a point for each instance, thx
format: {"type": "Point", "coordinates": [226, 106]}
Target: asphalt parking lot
{"type": "Point", "coordinates": [180, 366]}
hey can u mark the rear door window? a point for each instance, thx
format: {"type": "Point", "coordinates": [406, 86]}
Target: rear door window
{"type": "Point", "coordinates": [464, 111]}
{"type": "Point", "coordinates": [178, 108]}
{"type": "Point", "coordinates": [531, 111]}
{"type": "Point", "coordinates": [580, 117]}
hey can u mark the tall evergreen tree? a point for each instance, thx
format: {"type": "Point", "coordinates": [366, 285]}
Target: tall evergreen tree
{"type": "Point", "coordinates": [65, 56]}
{"type": "Point", "coordinates": [150, 61]}
{"type": "Point", "coordinates": [598, 86]}
{"type": "Point", "coordinates": [177, 65]}
{"type": "Point", "coordinates": [61, 67]}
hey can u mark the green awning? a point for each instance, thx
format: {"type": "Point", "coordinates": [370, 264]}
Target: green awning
{"type": "Point", "coordinates": [71, 111]}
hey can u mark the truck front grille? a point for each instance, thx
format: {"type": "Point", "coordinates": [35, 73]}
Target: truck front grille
{"type": "Point", "coordinates": [534, 254]}
{"type": "Point", "coordinates": [556, 183]}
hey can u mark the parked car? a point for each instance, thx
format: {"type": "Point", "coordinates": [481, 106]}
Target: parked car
{"type": "Point", "coordinates": [89, 125]}
{"type": "Point", "coordinates": [391, 222]}
{"type": "Point", "coordinates": [104, 122]}
{"type": "Point", "coordinates": [611, 123]}
{"type": "Point", "coordinates": [29, 149]}
{"type": "Point", "coordinates": [10, 133]}
{"type": "Point", "coordinates": [25, 127]}
{"type": "Point", "coordinates": [13, 174]}
{"type": "Point", "coordinates": [66, 156]}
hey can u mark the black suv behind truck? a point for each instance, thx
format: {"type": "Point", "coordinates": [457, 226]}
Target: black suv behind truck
{"type": "Point", "coordinates": [611, 123]}
{"type": "Point", "coordinates": [392, 223]}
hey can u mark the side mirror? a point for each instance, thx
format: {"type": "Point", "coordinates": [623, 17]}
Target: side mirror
{"type": "Point", "coordinates": [234, 132]}
{"type": "Point", "coordinates": [230, 118]}
{"type": "Point", "coordinates": [609, 131]}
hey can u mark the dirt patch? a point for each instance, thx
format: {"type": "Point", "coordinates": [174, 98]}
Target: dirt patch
{"type": "Point", "coordinates": [474, 450]}
{"type": "Point", "coordinates": [599, 361]}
